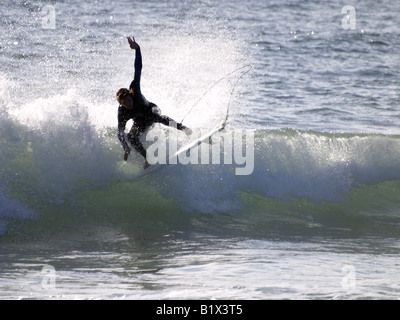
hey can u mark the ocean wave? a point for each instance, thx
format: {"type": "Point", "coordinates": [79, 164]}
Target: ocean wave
{"type": "Point", "coordinates": [59, 162]}
{"type": "Point", "coordinates": [66, 160]}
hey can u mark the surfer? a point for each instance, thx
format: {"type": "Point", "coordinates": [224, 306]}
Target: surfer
{"type": "Point", "coordinates": [133, 105]}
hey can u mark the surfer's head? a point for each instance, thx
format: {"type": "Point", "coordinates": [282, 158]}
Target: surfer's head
{"type": "Point", "coordinates": [124, 98]}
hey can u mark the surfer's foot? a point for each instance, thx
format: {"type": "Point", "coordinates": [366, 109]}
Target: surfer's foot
{"type": "Point", "coordinates": [146, 165]}
{"type": "Point", "coordinates": [187, 131]}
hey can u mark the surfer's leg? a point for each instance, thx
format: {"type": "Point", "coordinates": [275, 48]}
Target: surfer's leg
{"type": "Point", "coordinates": [165, 120]}
{"type": "Point", "coordinates": [134, 139]}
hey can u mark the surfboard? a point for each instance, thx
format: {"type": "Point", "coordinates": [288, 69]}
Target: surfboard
{"type": "Point", "coordinates": [172, 159]}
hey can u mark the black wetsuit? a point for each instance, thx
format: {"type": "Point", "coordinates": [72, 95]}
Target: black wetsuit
{"type": "Point", "coordinates": [142, 113]}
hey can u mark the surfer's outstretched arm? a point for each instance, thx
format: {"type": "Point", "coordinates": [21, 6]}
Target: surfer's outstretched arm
{"type": "Point", "coordinates": [121, 136]}
{"type": "Point", "coordinates": [135, 84]}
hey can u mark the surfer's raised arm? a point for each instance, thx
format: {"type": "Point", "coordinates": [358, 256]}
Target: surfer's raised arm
{"type": "Point", "coordinates": [135, 84]}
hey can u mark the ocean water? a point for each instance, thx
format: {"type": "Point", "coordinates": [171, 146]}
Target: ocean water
{"type": "Point", "coordinates": [317, 218]}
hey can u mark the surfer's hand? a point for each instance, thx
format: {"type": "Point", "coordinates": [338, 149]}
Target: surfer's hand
{"type": "Point", "coordinates": [127, 152]}
{"type": "Point", "coordinates": [132, 43]}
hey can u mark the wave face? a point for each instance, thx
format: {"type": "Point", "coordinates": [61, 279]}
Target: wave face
{"type": "Point", "coordinates": [49, 168]}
